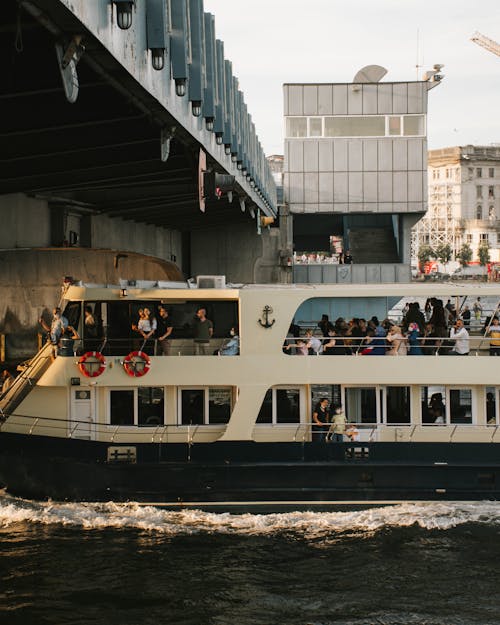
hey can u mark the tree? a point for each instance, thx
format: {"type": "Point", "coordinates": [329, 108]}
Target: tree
{"type": "Point", "coordinates": [425, 253]}
{"type": "Point", "coordinates": [483, 252]}
{"type": "Point", "coordinates": [444, 253]}
{"type": "Point", "coordinates": [464, 254]}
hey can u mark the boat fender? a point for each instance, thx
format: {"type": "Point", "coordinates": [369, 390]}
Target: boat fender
{"type": "Point", "coordinates": [87, 364]}
{"type": "Point", "coordinates": [137, 364]}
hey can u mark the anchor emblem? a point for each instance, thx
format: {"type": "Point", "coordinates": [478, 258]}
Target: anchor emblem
{"type": "Point", "coordinates": [266, 311]}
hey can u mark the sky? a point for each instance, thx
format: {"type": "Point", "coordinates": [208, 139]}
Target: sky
{"type": "Point", "coordinates": [271, 42]}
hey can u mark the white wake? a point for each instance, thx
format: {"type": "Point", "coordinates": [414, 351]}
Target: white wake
{"type": "Point", "coordinates": [96, 516]}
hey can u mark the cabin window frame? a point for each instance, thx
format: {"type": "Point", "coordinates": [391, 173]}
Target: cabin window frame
{"type": "Point", "coordinates": [274, 407]}
{"type": "Point", "coordinates": [496, 394]}
{"type": "Point", "coordinates": [206, 404]}
{"type": "Point", "coordinates": [447, 405]}
{"type": "Point", "coordinates": [135, 391]}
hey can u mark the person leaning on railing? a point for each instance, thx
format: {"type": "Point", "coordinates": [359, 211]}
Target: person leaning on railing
{"type": "Point", "coordinates": [459, 334]}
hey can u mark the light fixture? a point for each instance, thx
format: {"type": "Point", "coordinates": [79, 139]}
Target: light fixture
{"type": "Point", "coordinates": [180, 86]}
{"type": "Point", "coordinates": [124, 13]}
{"type": "Point", "coordinates": [196, 108]}
{"type": "Point", "coordinates": [158, 58]}
{"type": "Point", "coordinates": [227, 148]}
{"type": "Point", "coordinates": [123, 292]}
{"type": "Point", "coordinates": [239, 165]}
{"type": "Point", "coordinates": [209, 123]}
{"type": "Point", "coordinates": [218, 138]}
{"type": "Point", "coordinates": [248, 176]}
{"type": "Point", "coordinates": [244, 171]}
{"type": "Point", "coordinates": [252, 183]}
{"type": "Point", "coordinates": [234, 157]}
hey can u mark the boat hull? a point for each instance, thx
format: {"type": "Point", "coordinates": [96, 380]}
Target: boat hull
{"type": "Point", "coordinates": [226, 474]}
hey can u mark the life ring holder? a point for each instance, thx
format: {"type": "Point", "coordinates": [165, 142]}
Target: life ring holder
{"type": "Point", "coordinates": [85, 366]}
{"type": "Point", "coordinates": [133, 359]}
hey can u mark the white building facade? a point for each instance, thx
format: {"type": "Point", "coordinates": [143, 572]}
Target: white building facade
{"type": "Point", "coordinates": [464, 201]}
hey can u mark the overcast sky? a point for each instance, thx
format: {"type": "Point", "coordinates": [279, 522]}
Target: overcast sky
{"type": "Point", "coordinates": [271, 42]}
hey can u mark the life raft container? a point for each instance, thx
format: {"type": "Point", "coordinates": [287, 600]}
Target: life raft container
{"type": "Point", "coordinates": [137, 364]}
{"type": "Point", "coordinates": [92, 364]}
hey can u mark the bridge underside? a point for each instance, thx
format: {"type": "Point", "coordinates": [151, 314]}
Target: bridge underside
{"type": "Point", "coordinates": [101, 154]}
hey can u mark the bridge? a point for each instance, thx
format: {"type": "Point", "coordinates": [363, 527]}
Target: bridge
{"type": "Point", "coordinates": [116, 116]}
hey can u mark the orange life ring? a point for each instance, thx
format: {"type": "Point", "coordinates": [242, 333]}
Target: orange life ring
{"type": "Point", "coordinates": [137, 364]}
{"type": "Point", "coordinates": [87, 364]}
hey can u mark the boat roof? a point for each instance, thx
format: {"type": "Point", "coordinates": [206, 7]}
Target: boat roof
{"type": "Point", "coordinates": [171, 290]}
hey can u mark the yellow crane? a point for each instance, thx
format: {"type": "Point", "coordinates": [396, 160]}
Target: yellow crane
{"type": "Point", "coordinates": [486, 42]}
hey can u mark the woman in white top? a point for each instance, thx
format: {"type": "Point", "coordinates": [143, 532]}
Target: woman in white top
{"type": "Point", "coordinates": [397, 341]}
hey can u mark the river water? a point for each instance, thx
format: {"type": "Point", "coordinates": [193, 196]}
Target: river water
{"type": "Point", "coordinates": [408, 564]}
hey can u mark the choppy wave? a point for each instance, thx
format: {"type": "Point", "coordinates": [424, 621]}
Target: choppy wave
{"type": "Point", "coordinates": [98, 516]}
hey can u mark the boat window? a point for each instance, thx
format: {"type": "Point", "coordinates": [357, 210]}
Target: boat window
{"type": "Point", "coordinates": [204, 406]}
{"type": "Point", "coordinates": [491, 405]}
{"type": "Point", "coordinates": [281, 405]}
{"type": "Point", "coordinates": [460, 406]}
{"type": "Point", "coordinates": [121, 405]}
{"type": "Point", "coordinates": [150, 406]}
{"type": "Point", "coordinates": [397, 405]}
{"type": "Point", "coordinates": [360, 404]}
{"type": "Point", "coordinates": [433, 401]}
{"type": "Point", "coordinates": [332, 392]}
{"type": "Point", "coordinates": [142, 406]}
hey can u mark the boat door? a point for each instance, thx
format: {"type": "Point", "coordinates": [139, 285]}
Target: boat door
{"type": "Point", "coordinates": [82, 411]}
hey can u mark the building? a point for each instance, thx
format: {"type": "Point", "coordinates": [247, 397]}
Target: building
{"type": "Point", "coordinates": [464, 201]}
{"type": "Point", "coordinates": [355, 173]}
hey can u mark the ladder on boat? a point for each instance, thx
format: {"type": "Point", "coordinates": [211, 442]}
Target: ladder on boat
{"type": "Point", "coordinates": [25, 381]}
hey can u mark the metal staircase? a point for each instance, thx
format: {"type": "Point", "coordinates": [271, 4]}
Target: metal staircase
{"type": "Point", "coordinates": [25, 381]}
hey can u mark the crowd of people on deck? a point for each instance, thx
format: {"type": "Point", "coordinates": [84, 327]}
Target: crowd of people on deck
{"type": "Point", "coordinates": [155, 331]}
{"type": "Point", "coordinates": [438, 329]}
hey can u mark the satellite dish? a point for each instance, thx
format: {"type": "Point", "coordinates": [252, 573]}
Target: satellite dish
{"type": "Point", "coordinates": [370, 73]}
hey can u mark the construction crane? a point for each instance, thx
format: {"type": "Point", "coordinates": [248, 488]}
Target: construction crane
{"type": "Point", "coordinates": [486, 43]}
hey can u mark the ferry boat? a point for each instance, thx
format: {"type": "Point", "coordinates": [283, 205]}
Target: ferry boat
{"type": "Point", "coordinates": [107, 416]}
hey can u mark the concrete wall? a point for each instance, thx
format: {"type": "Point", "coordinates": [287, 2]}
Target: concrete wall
{"type": "Point", "coordinates": [141, 238]}
{"type": "Point", "coordinates": [239, 253]}
{"type": "Point", "coordinates": [25, 222]}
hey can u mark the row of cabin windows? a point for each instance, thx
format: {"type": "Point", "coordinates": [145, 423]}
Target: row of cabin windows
{"type": "Point", "coordinates": [355, 126]}
{"type": "Point", "coordinates": [389, 405]}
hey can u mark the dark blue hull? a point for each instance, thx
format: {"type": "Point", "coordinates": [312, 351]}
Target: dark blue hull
{"type": "Point", "coordinates": [230, 473]}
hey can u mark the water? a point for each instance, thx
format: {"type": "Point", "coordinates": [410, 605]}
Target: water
{"type": "Point", "coordinates": [425, 564]}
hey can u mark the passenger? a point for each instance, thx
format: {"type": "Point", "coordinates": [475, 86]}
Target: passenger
{"type": "Point", "coordinates": [428, 309]}
{"type": "Point", "coordinates": [414, 315]}
{"type": "Point", "coordinates": [356, 334]}
{"type": "Point", "coordinates": [363, 326]}
{"type": "Point", "coordinates": [459, 334]}
{"type": "Point", "coordinates": [314, 344]}
{"type": "Point", "coordinates": [7, 380]}
{"type": "Point", "coordinates": [324, 325]}
{"type": "Point", "coordinates": [397, 342]}
{"type": "Point", "coordinates": [164, 329]}
{"type": "Point", "coordinates": [352, 432]}
{"type": "Point", "coordinates": [66, 345]}
{"type": "Point", "coordinates": [375, 339]}
{"type": "Point", "coordinates": [338, 426]}
{"type": "Point", "coordinates": [414, 340]}
{"type": "Point", "coordinates": [429, 340]}
{"type": "Point", "coordinates": [477, 307]}
{"type": "Point", "coordinates": [466, 315]}
{"type": "Point", "coordinates": [203, 332]}
{"type": "Point", "coordinates": [300, 348]}
{"type": "Point", "coordinates": [347, 258]}
{"type": "Point", "coordinates": [320, 420]}
{"type": "Point", "coordinates": [494, 335]}
{"type": "Point", "coordinates": [57, 326]}
{"type": "Point", "coordinates": [437, 409]}
{"type": "Point", "coordinates": [232, 347]}
{"type": "Point", "coordinates": [438, 321]}
{"type": "Point", "coordinates": [89, 323]}
{"type": "Point", "coordinates": [329, 348]}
